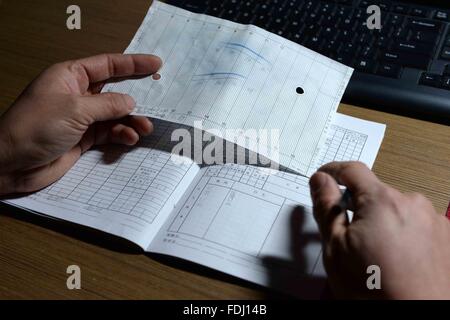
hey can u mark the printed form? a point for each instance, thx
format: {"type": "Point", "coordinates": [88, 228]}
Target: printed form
{"type": "Point", "coordinates": [235, 218]}
{"type": "Point", "coordinates": [220, 75]}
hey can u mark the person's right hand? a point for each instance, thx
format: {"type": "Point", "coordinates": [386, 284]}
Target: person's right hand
{"type": "Point", "coordinates": [400, 233]}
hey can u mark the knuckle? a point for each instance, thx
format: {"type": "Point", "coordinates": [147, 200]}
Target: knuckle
{"type": "Point", "coordinates": [419, 199]}
{"type": "Point", "coordinates": [75, 67]}
{"type": "Point", "coordinates": [387, 193]}
{"type": "Point", "coordinates": [115, 103]}
{"type": "Point", "coordinates": [78, 105]}
{"type": "Point", "coordinates": [347, 168]}
{"type": "Point", "coordinates": [388, 196]}
{"type": "Point", "coordinates": [59, 66]}
{"type": "Point", "coordinates": [109, 63]}
{"type": "Point", "coordinates": [353, 164]}
{"type": "Point", "coordinates": [80, 113]}
{"type": "Point", "coordinates": [335, 237]}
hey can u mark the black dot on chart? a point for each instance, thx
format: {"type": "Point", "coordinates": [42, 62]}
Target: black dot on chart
{"type": "Point", "coordinates": [300, 90]}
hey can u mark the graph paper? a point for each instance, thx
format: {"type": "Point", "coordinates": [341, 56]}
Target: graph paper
{"type": "Point", "coordinates": [221, 75]}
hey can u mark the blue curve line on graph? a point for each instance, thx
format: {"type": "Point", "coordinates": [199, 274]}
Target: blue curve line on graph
{"type": "Point", "coordinates": [220, 74]}
{"type": "Point", "coordinates": [234, 44]}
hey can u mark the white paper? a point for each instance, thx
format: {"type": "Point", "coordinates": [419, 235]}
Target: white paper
{"type": "Point", "coordinates": [352, 139]}
{"type": "Point", "coordinates": [243, 221]}
{"type": "Point", "coordinates": [128, 192]}
{"type": "Point", "coordinates": [235, 218]}
{"type": "Point", "coordinates": [220, 75]}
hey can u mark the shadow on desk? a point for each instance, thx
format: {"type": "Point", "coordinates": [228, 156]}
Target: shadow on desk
{"type": "Point", "coordinates": [278, 278]}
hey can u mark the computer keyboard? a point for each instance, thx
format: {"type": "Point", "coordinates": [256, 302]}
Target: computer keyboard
{"type": "Point", "coordinates": [402, 68]}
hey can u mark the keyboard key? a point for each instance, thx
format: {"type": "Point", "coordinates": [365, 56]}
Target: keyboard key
{"type": "Point", "coordinates": [229, 14]}
{"type": "Point", "coordinates": [442, 15]}
{"type": "Point", "coordinates": [424, 24]}
{"type": "Point", "coordinates": [406, 59]}
{"type": "Point", "coordinates": [382, 42]}
{"type": "Point", "coordinates": [385, 6]}
{"type": "Point", "coordinates": [232, 4]}
{"type": "Point", "coordinates": [424, 36]}
{"type": "Point", "coordinates": [343, 12]}
{"type": "Point", "coordinates": [419, 12]}
{"type": "Point", "coordinates": [349, 48]}
{"type": "Point", "coordinates": [389, 70]}
{"type": "Point", "coordinates": [365, 65]}
{"type": "Point", "coordinates": [445, 84]}
{"type": "Point", "coordinates": [345, 36]}
{"type": "Point", "coordinates": [398, 33]}
{"type": "Point", "coordinates": [295, 36]}
{"type": "Point", "coordinates": [344, 58]}
{"type": "Point", "coordinates": [314, 43]}
{"type": "Point", "coordinates": [277, 24]}
{"type": "Point", "coordinates": [326, 9]}
{"type": "Point", "coordinates": [329, 33]}
{"type": "Point", "coordinates": [214, 10]}
{"type": "Point", "coordinates": [447, 42]}
{"type": "Point", "coordinates": [294, 26]}
{"type": "Point", "coordinates": [280, 11]}
{"type": "Point", "coordinates": [331, 47]}
{"type": "Point", "coordinates": [445, 53]}
{"type": "Point", "coordinates": [197, 6]}
{"type": "Point", "coordinates": [311, 6]}
{"type": "Point", "coordinates": [415, 48]}
{"type": "Point", "coordinates": [447, 70]}
{"type": "Point", "coordinates": [401, 8]}
{"type": "Point", "coordinates": [261, 21]}
{"type": "Point", "coordinates": [395, 20]}
{"type": "Point", "coordinates": [367, 52]}
{"type": "Point", "coordinates": [263, 10]}
{"type": "Point", "coordinates": [430, 79]}
{"type": "Point", "coordinates": [244, 17]}
{"type": "Point", "coordinates": [249, 5]}
{"type": "Point", "coordinates": [292, 4]}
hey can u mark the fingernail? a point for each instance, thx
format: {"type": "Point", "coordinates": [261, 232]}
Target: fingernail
{"type": "Point", "coordinates": [129, 101]}
{"type": "Point", "coordinates": [316, 182]}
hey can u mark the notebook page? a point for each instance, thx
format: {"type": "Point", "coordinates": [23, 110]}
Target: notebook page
{"type": "Point", "coordinates": [125, 191]}
{"type": "Point", "coordinates": [352, 139]}
{"type": "Point", "coordinates": [243, 221]}
{"type": "Point", "coordinates": [220, 75]}
{"type": "Point", "coordinates": [239, 220]}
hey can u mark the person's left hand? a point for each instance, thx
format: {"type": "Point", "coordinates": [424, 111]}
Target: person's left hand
{"type": "Point", "coordinates": [61, 114]}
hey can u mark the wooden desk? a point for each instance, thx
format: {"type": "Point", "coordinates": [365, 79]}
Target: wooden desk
{"type": "Point", "coordinates": [34, 253]}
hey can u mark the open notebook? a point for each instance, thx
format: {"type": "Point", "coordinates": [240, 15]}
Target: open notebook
{"type": "Point", "coordinates": [251, 223]}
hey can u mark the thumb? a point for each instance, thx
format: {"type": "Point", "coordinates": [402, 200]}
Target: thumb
{"type": "Point", "coordinates": [326, 195]}
{"type": "Point", "coordinates": [107, 106]}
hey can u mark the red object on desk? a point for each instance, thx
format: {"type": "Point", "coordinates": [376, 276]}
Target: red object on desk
{"type": "Point", "coordinates": [448, 211]}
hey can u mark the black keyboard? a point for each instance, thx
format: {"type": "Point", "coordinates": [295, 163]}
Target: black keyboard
{"type": "Point", "coordinates": [402, 68]}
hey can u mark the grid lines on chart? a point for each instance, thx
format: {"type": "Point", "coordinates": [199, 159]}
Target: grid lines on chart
{"type": "Point", "coordinates": [132, 181]}
{"type": "Point", "coordinates": [234, 70]}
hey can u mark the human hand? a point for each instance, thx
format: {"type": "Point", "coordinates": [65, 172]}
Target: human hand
{"type": "Point", "coordinates": [61, 114]}
{"type": "Point", "coordinates": [400, 233]}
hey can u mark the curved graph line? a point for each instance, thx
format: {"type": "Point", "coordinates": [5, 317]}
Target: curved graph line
{"type": "Point", "coordinates": [220, 74]}
{"type": "Point", "coordinates": [235, 44]}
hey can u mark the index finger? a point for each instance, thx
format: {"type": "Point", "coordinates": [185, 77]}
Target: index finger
{"type": "Point", "coordinates": [105, 66]}
{"type": "Point", "coordinates": [356, 176]}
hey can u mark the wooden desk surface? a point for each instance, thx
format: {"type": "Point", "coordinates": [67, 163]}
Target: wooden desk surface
{"type": "Point", "coordinates": [34, 253]}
